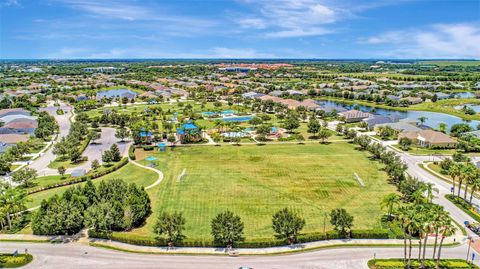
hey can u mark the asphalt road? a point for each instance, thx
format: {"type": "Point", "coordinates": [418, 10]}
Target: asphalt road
{"type": "Point", "coordinates": [74, 255]}
{"type": "Point", "coordinates": [41, 163]}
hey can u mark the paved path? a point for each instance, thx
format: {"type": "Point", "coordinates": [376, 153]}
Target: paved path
{"type": "Point", "coordinates": [75, 255]}
{"type": "Point", "coordinates": [160, 174]}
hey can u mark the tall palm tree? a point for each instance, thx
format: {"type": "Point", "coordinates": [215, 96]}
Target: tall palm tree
{"type": "Point", "coordinates": [461, 176]}
{"type": "Point", "coordinates": [439, 217]}
{"type": "Point", "coordinates": [403, 217]}
{"type": "Point", "coordinates": [389, 201]}
{"type": "Point", "coordinates": [471, 173]}
{"type": "Point", "coordinates": [454, 172]}
{"type": "Point", "coordinates": [475, 186]}
{"type": "Point", "coordinates": [419, 223]}
{"type": "Point", "coordinates": [448, 228]}
{"type": "Point", "coordinates": [430, 188]}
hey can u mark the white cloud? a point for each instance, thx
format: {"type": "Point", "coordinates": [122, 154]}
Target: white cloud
{"type": "Point", "coordinates": [300, 32]}
{"type": "Point", "coordinates": [9, 3]}
{"type": "Point", "coordinates": [109, 9]}
{"type": "Point", "coordinates": [291, 18]}
{"type": "Point", "coordinates": [436, 41]}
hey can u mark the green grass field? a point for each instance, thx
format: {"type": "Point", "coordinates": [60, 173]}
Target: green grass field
{"type": "Point", "coordinates": [129, 173]}
{"type": "Point", "coordinates": [256, 181]}
{"type": "Point", "coordinates": [450, 63]}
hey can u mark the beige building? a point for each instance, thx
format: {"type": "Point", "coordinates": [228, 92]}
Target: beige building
{"type": "Point", "coordinates": [430, 138]}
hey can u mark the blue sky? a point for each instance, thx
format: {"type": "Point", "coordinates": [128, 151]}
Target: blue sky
{"type": "Point", "coordinates": [239, 29]}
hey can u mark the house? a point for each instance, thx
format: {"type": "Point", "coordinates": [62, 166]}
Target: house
{"type": "Point", "coordinates": [400, 126]}
{"type": "Point", "coordinates": [276, 93]}
{"type": "Point", "coordinates": [252, 95]}
{"type": "Point", "coordinates": [377, 119]}
{"type": "Point", "coordinates": [310, 104]}
{"type": "Point", "coordinates": [295, 92]}
{"type": "Point", "coordinates": [14, 111]}
{"type": "Point", "coordinates": [19, 126]}
{"type": "Point", "coordinates": [393, 97]}
{"type": "Point", "coordinates": [413, 100]}
{"type": "Point", "coordinates": [13, 138]}
{"type": "Point", "coordinates": [354, 115]}
{"type": "Point", "coordinates": [11, 117]}
{"type": "Point", "coordinates": [116, 93]}
{"type": "Point", "coordinates": [290, 103]}
{"type": "Point", "coordinates": [430, 138]}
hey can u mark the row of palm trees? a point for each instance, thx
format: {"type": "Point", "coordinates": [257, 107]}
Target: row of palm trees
{"type": "Point", "coordinates": [422, 219]}
{"type": "Point", "coordinates": [418, 216]}
{"type": "Point", "coordinates": [467, 174]}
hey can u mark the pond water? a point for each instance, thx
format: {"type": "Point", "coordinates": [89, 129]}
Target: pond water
{"type": "Point", "coordinates": [433, 118]}
{"type": "Point", "coordinates": [464, 95]}
{"type": "Point", "coordinates": [476, 108]}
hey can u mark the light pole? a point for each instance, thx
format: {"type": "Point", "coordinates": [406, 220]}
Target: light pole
{"type": "Point", "coordinates": [469, 244]}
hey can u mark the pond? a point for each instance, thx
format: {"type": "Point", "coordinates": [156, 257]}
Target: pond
{"type": "Point", "coordinates": [464, 95]}
{"type": "Point", "coordinates": [433, 119]}
{"type": "Point", "coordinates": [476, 108]}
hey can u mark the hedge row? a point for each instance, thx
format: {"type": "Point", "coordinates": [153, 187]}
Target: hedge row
{"type": "Point", "coordinates": [464, 205]}
{"type": "Point", "coordinates": [429, 264]}
{"type": "Point", "coordinates": [93, 175]}
{"type": "Point", "coordinates": [257, 243]}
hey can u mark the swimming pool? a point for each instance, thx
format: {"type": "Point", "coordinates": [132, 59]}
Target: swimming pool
{"type": "Point", "coordinates": [238, 119]}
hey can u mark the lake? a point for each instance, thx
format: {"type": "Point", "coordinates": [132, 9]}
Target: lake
{"type": "Point", "coordinates": [433, 118]}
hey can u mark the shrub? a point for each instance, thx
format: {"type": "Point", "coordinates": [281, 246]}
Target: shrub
{"type": "Point", "coordinates": [148, 148]}
{"type": "Point", "coordinates": [131, 152]}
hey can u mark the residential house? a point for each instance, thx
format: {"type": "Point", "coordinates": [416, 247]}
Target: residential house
{"type": "Point", "coordinates": [413, 100]}
{"type": "Point", "coordinates": [354, 115]}
{"type": "Point", "coordinates": [430, 138]}
{"type": "Point", "coordinates": [377, 119]}
{"type": "Point", "coordinates": [400, 126]}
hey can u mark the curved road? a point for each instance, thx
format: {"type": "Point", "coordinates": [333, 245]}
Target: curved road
{"type": "Point", "coordinates": [75, 255]}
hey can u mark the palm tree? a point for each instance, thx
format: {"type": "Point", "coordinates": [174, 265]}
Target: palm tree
{"type": "Point", "coordinates": [448, 228]}
{"type": "Point", "coordinates": [419, 223]}
{"type": "Point", "coordinates": [454, 172]}
{"type": "Point", "coordinates": [438, 220]}
{"type": "Point", "coordinates": [471, 173]}
{"type": "Point", "coordinates": [389, 201]}
{"type": "Point", "coordinates": [430, 188]}
{"type": "Point", "coordinates": [475, 186]}
{"type": "Point", "coordinates": [403, 217]}
{"type": "Point", "coordinates": [461, 176]}
{"type": "Point", "coordinates": [422, 119]}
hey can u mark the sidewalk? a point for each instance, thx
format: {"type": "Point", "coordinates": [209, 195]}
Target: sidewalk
{"type": "Point", "coordinates": [262, 251]}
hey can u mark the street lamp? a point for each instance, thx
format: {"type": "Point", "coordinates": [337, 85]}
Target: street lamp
{"type": "Point", "coordinates": [469, 244]}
